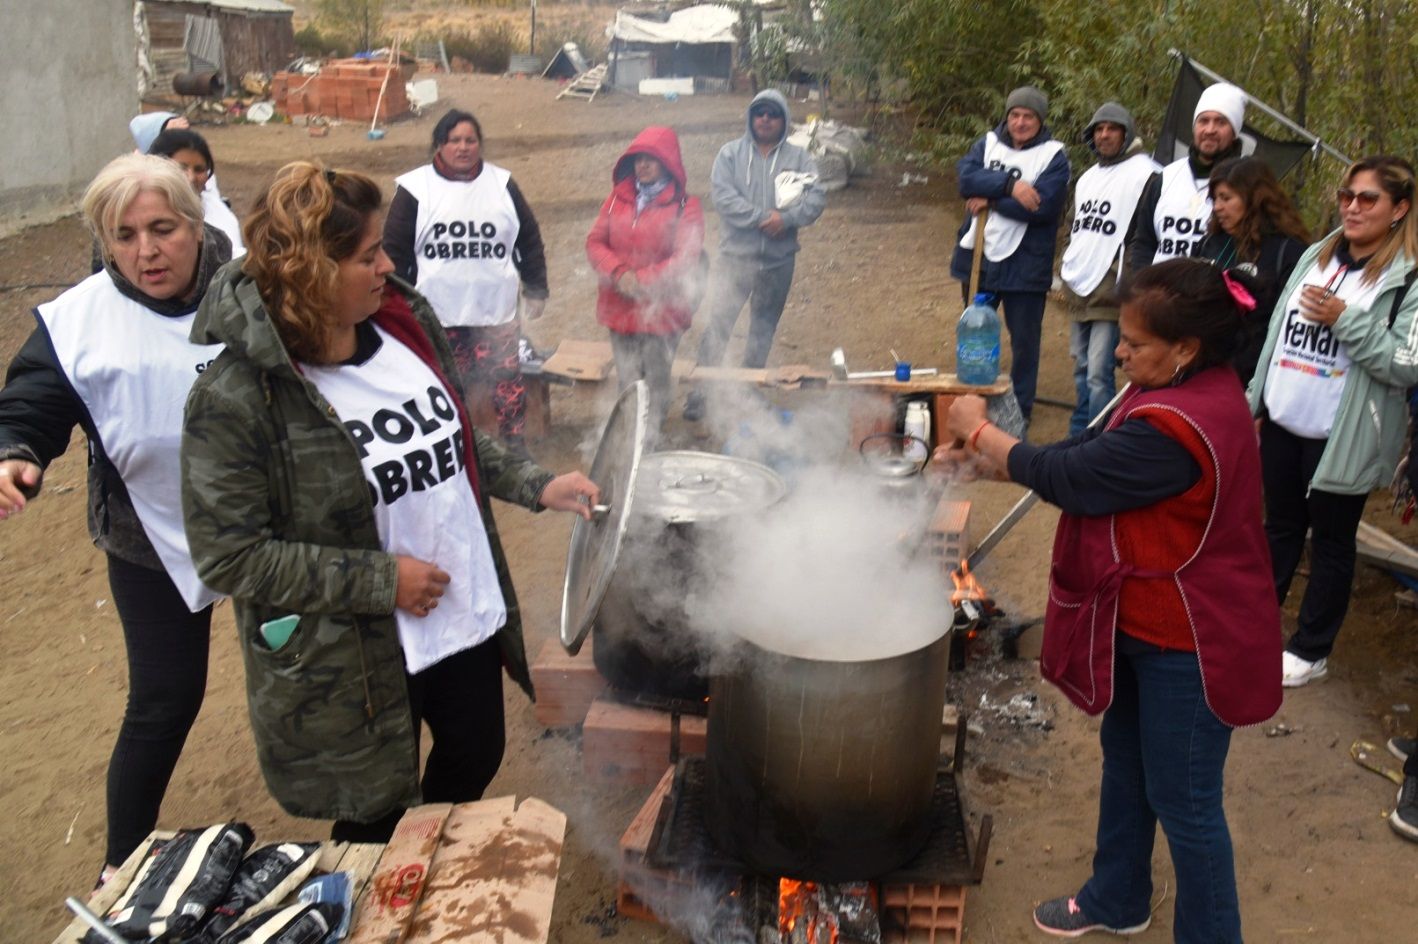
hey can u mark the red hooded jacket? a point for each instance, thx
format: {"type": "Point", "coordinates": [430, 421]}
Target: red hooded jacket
{"type": "Point", "coordinates": [660, 244]}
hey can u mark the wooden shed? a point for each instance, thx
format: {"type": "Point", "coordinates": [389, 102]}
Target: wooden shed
{"type": "Point", "coordinates": [233, 37]}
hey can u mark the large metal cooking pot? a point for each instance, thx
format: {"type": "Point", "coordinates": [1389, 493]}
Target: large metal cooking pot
{"type": "Point", "coordinates": [686, 503]}
{"type": "Point", "coordinates": [821, 769]}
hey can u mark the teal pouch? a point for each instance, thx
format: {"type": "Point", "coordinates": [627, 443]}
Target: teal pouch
{"type": "Point", "coordinates": [277, 632]}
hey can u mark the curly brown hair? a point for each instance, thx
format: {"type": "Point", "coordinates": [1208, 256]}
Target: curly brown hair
{"type": "Point", "coordinates": [307, 221]}
{"type": "Point", "coordinates": [1268, 208]}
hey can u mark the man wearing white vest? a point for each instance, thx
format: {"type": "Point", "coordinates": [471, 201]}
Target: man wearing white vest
{"type": "Point", "coordinates": [1103, 204]}
{"type": "Point", "coordinates": [1175, 205]}
{"type": "Point", "coordinates": [1021, 173]}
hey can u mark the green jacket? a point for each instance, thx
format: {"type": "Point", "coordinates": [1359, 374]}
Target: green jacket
{"type": "Point", "coordinates": [1369, 430]}
{"type": "Point", "coordinates": [278, 515]}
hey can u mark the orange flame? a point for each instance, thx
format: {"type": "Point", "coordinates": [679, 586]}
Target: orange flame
{"type": "Point", "coordinates": [966, 586]}
{"type": "Point", "coordinates": [797, 903]}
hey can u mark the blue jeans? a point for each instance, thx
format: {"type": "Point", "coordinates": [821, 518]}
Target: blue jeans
{"type": "Point", "coordinates": [1163, 757]}
{"type": "Point", "coordinates": [1091, 345]}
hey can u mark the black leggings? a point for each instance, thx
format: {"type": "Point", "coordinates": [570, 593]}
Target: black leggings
{"type": "Point", "coordinates": [461, 699]}
{"type": "Point", "coordinates": [167, 677]}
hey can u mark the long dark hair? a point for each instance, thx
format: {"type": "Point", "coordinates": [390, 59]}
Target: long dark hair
{"type": "Point", "coordinates": [1268, 208]}
{"type": "Point", "coordinates": [1189, 298]}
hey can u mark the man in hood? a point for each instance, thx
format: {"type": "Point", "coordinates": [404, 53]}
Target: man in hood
{"type": "Point", "coordinates": [1103, 203]}
{"type": "Point", "coordinates": [1175, 205]}
{"type": "Point", "coordinates": [1021, 174]}
{"type": "Point", "coordinates": [765, 190]}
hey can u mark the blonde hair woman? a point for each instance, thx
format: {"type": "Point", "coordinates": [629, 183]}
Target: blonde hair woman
{"type": "Point", "coordinates": [1341, 351]}
{"type": "Point", "coordinates": [335, 487]}
{"type": "Point", "coordinates": [112, 355]}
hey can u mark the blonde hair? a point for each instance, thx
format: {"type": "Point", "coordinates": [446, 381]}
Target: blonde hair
{"type": "Point", "coordinates": [308, 220]}
{"type": "Point", "coordinates": [122, 180]}
{"type": "Point", "coordinates": [1396, 178]}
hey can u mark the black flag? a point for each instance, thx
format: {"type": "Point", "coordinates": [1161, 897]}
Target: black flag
{"type": "Point", "coordinates": [1176, 136]}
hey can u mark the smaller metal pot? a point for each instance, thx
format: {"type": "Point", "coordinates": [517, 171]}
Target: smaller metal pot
{"type": "Point", "coordinates": [897, 473]}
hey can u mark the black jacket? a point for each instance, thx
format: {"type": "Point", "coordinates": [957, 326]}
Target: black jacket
{"type": "Point", "coordinates": [1142, 235]}
{"type": "Point", "coordinates": [1269, 271]}
{"type": "Point", "coordinates": [39, 410]}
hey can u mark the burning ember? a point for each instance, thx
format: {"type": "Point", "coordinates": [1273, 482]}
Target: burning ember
{"type": "Point", "coordinates": [809, 913]}
{"type": "Point", "coordinates": [970, 600]}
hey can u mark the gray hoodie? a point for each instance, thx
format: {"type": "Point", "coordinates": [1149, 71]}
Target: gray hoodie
{"type": "Point", "coordinates": [742, 188]}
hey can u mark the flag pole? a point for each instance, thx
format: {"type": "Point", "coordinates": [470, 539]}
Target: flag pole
{"type": "Point", "coordinates": [1215, 76]}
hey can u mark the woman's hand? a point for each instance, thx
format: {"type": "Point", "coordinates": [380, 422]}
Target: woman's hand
{"type": "Point", "coordinates": [16, 476]}
{"type": "Point", "coordinates": [628, 284]}
{"type": "Point", "coordinates": [1318, 304]}
{"type": "Point", "coordinates": [965, 416]}
{"type": "Point", "coordinates": [571, 492]}
{"type": "Point", "coordinates": [420, 585]}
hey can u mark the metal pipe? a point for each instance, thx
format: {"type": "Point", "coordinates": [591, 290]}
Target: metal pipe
{"type": "Point", "coordinates": [100, 928]}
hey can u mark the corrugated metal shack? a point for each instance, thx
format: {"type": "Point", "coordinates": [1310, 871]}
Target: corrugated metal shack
{"type": "Point", "coordinates": [233, 37]}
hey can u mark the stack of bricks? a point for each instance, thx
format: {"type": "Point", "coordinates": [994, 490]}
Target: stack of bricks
{"type": "Point", "coordinates": [630, 745]}
{"type": "Point", "coordinates": [347, 89]}
{"type": "Point", "coordinates": [566, 685]}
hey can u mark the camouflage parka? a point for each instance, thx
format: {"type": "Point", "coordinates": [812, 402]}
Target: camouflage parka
{"type": "Point", "coordinates": [278, 515]}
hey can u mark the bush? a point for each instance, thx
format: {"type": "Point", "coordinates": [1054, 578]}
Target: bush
{"type": "Point", "coordinates": [315, 44]}
{"type": "Point", "coordinates": [488, 49]}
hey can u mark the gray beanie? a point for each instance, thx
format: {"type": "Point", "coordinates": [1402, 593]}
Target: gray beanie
{"type": "Point", "coordinates": [1118, 115]}
{"type": "Point", "coordinates": [1027, 96]}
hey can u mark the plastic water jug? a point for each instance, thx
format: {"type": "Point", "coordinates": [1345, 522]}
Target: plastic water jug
{"type": "Point", "coordinates": [977, 343]}
{"type": "Point", "coordinates": [918, 427]}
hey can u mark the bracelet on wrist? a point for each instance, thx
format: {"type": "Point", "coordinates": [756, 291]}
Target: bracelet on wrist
{"type": "Point", "coordinates": [974, 439]}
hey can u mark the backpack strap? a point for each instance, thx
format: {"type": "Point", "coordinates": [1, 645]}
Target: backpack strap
{"type": "Point", "coordinates": [1400, 294]}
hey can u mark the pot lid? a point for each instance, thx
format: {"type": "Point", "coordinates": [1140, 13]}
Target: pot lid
{"type": "Point", "coordinates": [595, 544]}
{"type": "Point", "coordinates": [681, 487]}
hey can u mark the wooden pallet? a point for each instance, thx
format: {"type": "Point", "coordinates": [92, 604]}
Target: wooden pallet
{"type": "Point", "coordinates": [624, 744]}
{"type": "Point", "coordinates": [586, 85]}
{"type": "Point", "coordinates": [358, 859]}
{"type": "Point", "coordinates": [566, 685]}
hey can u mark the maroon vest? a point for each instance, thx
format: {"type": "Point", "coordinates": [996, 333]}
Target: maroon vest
{"type": "Point", "coordinates": [1226, 585]}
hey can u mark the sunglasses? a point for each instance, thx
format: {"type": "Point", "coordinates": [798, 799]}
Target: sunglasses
{"type": "Point", "coordinates": [1367, 198]}
{"type": "Point", "coordinates": [764, 113]}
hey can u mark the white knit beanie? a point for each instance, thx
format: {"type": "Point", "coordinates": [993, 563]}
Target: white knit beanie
{"type": "Point", "coordinates": [1226, 100]}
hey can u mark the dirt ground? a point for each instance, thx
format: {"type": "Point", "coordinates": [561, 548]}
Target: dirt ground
{"type": "Point", "coordinates": [1316, 860]}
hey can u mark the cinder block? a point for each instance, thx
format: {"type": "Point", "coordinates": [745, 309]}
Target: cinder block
{"type": "Point", "coordinates": [948, 535]}
{"type": "Point", "coordinates": [928, 914]}
{"type": "Point", "coordinates": [622, 744]}
{"type": "Point", "coordinates": [566, 685]}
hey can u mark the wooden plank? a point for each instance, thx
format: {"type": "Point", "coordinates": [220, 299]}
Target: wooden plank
{"type": "Point", "coordinates": [387, 907]}
{"type": "Point", "coordinates": [939, 383]}
{"type": "Point", "coordinates": [494, 875]}
{"type": "Point", "coordinates": [1384, 550]}
{"type": "Point", "coordinates": [580, 360]}
{"type": "Point", "coordinates": [106, 897]}
{"type": "Point", "coordinates": [788, 376]}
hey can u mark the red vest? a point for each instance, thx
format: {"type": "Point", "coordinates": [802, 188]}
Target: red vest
{"type": "Point", "coordinates": [1221, 587]}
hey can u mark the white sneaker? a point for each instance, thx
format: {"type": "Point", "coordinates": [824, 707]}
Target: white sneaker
{"type": "Point", "coordinates": [1295, 671]}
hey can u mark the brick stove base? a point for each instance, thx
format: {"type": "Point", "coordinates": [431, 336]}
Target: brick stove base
{"type": "Point", "coordinates": [912, 912]}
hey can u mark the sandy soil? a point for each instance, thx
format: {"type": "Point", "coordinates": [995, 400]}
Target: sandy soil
{"type": "Point", "coordinates": [1316, 860]}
